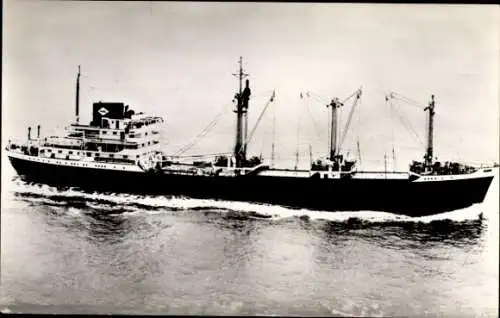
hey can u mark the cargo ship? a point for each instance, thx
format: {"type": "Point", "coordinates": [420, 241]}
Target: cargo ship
{"type": "Point", "coordinates": [119, 151]}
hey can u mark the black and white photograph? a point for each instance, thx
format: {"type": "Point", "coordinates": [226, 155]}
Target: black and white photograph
{"type": "Point", "coordinates": [250, 158]}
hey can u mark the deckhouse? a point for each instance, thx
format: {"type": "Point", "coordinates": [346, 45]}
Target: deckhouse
{"type": "Point", "coordinates": [116, 134]}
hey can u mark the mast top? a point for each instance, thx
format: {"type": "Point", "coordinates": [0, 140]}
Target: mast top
{"type": "Point", "coordinates": [335, 103]}
{"type": "Point", "coordinates": [431, 104]}
{"type": "Point", "coordinates": [241, 74]}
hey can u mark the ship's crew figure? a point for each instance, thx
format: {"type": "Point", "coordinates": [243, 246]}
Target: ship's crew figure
{"type": "Point", "coordinates": [246, 94]}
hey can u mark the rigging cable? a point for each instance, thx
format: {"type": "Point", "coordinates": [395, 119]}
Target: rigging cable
{"type": "Point", "coordinates": [201, 155]}
{"type": "Point", "coordinates": [316, 97]}
{"type": "Point", "coordinates": [355, 93]}
{"type": "Point", "coordinates": [207, 129]}
{"type": "Point", "coordinates": [316, 126]}
{"type": "Point", "coordinates": [260, 117]}
{"type": "Point", "coordinates": [357, 139]}
{"type": "Point", "coordinates": [385, 164]}
{"type": "Point", "coordinates": [204, 132]}
{"type": "Point", "coordinates": [359, 151]}
{"type": "Point", "coordinates": [263, 144]}
{"type": "Point", "coordinates": [407, 100]}
{"type": "Point", "coordinates": [404, 121]}
{"type": "Point", "coordinates": [348, 123]}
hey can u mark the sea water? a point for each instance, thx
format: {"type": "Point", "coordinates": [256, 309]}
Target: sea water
{"type": "Point", "coordinates": [74, 252]}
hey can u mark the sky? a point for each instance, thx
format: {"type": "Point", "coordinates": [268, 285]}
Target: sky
{"type": "Point", "coordinates": [176, 60]}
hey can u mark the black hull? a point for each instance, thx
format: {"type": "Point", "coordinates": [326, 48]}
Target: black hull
{"type": "Point", "coordinates": [394, 196]}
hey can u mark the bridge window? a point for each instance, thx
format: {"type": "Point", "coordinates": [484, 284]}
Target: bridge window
{"type": "Point", "coordinates": [71, 152]}
{"type": "Point", "coordinates": [111, 155]}
{"type": "Point", "coordinates": [59, 151]}
{"type": "Point", "coordinates": [104, 132]}
{"type": "Point", "coordinates": [114, 132]}
{"type": "Point", "coordinates": [89, 154]}
{"type": "Point", "coordinates": [125, 157]}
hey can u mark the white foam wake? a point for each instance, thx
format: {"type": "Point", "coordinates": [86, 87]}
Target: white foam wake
{"type": "Point", "coordinates": [160, 204]}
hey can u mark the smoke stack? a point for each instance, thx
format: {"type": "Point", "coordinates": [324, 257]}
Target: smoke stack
{"type": "Point", "coordinates": [38, 131]}
{"type": "Point", "coordinates": [29, 133]}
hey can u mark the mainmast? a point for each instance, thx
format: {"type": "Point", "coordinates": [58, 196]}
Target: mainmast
{"type": "Point", "coordinates": [77, 104]}
{"type": "Point", "coordinates": [242, 98]}
{"type": "Point", "coordinates": [429, 153]}
{"type": "Point", "coordinates": [334, 104]}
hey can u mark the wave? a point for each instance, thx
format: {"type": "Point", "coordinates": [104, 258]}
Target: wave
{"type": "Point", "coordinates": [133, 204]}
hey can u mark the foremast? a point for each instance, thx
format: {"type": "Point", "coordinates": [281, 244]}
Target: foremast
{"type": "Point", "coordinates": [241, 98]}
